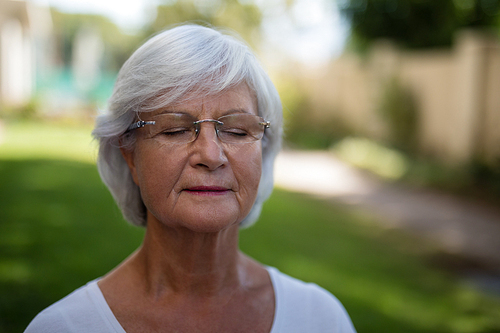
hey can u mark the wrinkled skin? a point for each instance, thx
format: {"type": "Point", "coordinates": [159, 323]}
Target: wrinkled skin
{"type": "Point", "coordinates": [164, 173]}
{"type": "Point", "coordinates": [188, 275]}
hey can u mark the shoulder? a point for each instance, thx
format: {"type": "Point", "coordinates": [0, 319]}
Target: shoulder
{"type": "Point", "coordinates": [302, 306]}
{"type": "Point", "coordinates": [297, 290]}
{"type": "Point", "coordinates": [77, 312]}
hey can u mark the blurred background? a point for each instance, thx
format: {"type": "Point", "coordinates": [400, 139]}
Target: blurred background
{"type": "Point", "coordinates": [388, 189]}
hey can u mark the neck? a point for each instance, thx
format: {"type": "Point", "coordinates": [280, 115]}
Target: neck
{"type": "Point", "coordinates": [183, 261]}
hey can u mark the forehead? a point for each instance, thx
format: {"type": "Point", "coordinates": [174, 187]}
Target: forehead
{"type": "Point", "coordinates": [239, 98]}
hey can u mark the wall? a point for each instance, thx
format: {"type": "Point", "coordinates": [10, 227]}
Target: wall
{"type": "Point", "coordinates": [457, 94]}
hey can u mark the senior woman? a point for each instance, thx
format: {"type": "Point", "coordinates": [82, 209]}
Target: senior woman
{"type": "Point", "coordinates": [187, 148]}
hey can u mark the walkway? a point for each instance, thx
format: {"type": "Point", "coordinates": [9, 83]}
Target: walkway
{"type": "Point", "coordinates": [460, 226]}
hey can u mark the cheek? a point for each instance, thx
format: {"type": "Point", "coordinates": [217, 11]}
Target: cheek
{"type": "Point", "coordinates": [157, 177]}
{"type": "Point", "coordinates": [255, 170]}
{"type": "Point", "coordinates": [248, 168]}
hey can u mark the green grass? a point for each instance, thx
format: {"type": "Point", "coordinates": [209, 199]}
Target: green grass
{"type": "Point", "coordinates": [64, 140]}
{"type": "Point", "coordinates": [383, 277]}
{"type": "Point", "coordinates": [59, 228]}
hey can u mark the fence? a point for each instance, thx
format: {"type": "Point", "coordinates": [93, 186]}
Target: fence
{"type": "Point", "coordinates": [456, 93]}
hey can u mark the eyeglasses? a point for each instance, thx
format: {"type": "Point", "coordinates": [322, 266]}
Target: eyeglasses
{"type": "Point", "coordinates": [179, 128]}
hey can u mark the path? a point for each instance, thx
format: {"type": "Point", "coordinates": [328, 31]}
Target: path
{"type": "Point", "coordinates": [459, 226]}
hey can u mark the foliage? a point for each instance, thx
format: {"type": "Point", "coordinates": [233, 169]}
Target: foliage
{"type": "Point", "coordinates": [417, 23]}
{"type": "Point", "coordinates": [473, 180]}
{"type": "Point", "coordinates": [23, 111]}
{"type": "Point", "coordinates": [486, 177]}
{"type": "Point", "coordinates": [243, 17]}
{"type": "Point", "coordinates": [304, 132]}
{"type": "Point", "coordinates": [118, 45]}
{"type": "Point", "coordinates": [399, 110]}
{"type": "Point", "coordinates": [304, 128]}
{"type": "Point", "coordinates": [369, 155]}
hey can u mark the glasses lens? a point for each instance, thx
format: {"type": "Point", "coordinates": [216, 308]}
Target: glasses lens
{"type": "Point", "coordinates": [240, 128]}
{"type": "Point", "coordinates": [173, 128]}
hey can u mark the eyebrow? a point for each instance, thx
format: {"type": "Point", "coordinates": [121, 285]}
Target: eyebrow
{"type": "Point", "coordinates": [232, 111]}
{"type": "Point", "coordinates": [171, 112]}
{"type": "Point", "coordinates": [225, 113]}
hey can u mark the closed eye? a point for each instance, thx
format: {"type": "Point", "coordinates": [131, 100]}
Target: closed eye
{"type": "Point", "coordinates": [234, 131]}
{"type": "Point", "coordinates": [176, 131]}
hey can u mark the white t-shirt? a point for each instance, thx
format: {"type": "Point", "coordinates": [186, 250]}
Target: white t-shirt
{"type": "Point", "coordinates": [300, 307]}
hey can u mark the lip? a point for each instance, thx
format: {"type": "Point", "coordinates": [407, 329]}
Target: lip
{"type": "Point", "coordinates": [207, 190]}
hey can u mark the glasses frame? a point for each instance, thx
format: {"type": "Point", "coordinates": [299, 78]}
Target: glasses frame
{"type": "Point", "coordinates": [141, 123]}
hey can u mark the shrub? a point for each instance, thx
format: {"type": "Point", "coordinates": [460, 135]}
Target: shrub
{"type": "Point", "coordinates": [398, 108]}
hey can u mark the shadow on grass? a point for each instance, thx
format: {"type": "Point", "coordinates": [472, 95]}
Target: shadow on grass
{"type": "Point", "coordinates": [60, 229]}
{"type": "Point", "coordinates": [382, 276]}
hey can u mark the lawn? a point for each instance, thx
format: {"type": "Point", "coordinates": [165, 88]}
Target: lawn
{"type": "Point", "coordinates": [59, 229]}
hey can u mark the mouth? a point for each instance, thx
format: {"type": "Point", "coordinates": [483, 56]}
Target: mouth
{"type": "Point", "coordinates": [207, 190]}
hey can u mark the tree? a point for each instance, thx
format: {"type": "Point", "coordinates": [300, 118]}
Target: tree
{"type": "Point", "coordinates": [416, 23]}
{"type": "Point", "coordinates": [245, 18]}
{"type": "Point", "coordinates": [118, 46]}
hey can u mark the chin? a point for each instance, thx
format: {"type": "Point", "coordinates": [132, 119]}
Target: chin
{"type": "Point", "coordinates": [211, 224]}
{"type": "Point", "coordinates": [205, 221]}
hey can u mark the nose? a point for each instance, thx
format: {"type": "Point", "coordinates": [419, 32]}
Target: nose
{"type": "Point", "coordinates": [207, 151]}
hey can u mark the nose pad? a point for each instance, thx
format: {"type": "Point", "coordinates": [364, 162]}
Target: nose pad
{"type": "Point", "coordinates": [198, 123]}
{"type": "Point", "coordinates": [208, 150]}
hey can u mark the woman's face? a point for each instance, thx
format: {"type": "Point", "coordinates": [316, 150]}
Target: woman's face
{"type": "Point", "coordinates": [204, 185]}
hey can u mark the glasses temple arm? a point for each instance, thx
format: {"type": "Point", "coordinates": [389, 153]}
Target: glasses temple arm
{"type": "Point", "coordinates": [139, 124]}
{"type": "Point", "coordinates": [266, 124]}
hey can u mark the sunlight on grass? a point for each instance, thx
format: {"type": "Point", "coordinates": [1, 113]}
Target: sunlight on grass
{"type": "Point", "coordinates": [14, 270]}
{"type": "Point", "coordinates": [30, 139]}
{"type": "Point", "coordinates": [60, 229]}
{"type": "Point", "coordinates": [368, 154]}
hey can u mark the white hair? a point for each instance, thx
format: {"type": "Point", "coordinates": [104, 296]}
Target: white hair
{"type": "Point", "coordinates": [184, 59]}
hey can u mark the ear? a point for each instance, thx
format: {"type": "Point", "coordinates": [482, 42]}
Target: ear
{"type": "Point", "coordinates": [128, 156]}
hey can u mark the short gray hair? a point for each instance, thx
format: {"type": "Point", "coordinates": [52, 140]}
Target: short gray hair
{"type": "Point", "coordinates": [181, 60]}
